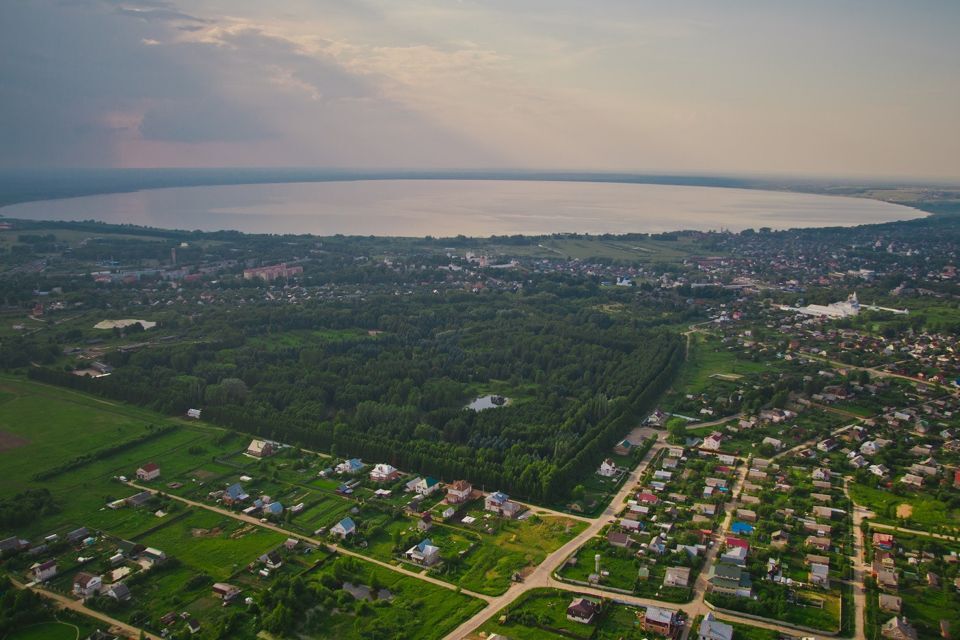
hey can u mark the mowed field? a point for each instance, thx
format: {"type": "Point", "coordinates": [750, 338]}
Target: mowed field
{"type": "Point", "coordinates": [42, 427]}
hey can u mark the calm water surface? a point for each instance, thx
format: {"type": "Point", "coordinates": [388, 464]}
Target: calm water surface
{"type": "Point", "coordinates": [468, 207]}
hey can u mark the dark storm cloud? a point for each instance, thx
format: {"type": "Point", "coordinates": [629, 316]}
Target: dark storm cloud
{"type": "Point", "coordinates": [100, 82]}
{"type": "Point", "coordinates": [71, 71]}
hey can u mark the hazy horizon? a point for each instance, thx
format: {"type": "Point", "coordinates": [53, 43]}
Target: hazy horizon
{"type": "Point", "coordinates": [862, 90]}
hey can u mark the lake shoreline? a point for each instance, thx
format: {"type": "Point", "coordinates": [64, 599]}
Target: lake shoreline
{"type": "Point", "coordinates": [477, 208]}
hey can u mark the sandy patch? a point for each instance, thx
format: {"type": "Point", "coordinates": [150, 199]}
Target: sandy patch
{"type": "Point", "coordinates": [904, 510]}
{"type": "Point", "coordinates": [121, 324]}
{"type": "Point", "coordinates": [206, 533]}
{"type": "Point", "coordinates": [9, 441]}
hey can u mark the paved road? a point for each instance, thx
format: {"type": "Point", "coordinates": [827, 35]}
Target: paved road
{"type": "Point", "coordinates": [542, 576]}
{"type": "Point", "coordinates": [63, 602]}
{"type": "Point", "coordinates": [320, 543]}
{"type": "Point", "coordinates": [859, 567]}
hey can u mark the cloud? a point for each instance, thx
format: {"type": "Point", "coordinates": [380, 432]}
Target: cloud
{"type": "Point", "coordinates": [543, 83]}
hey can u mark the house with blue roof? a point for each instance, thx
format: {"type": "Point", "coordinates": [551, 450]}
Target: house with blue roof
{"type": "Point", "coordinates": [353, 465]}
{"type": "Point", "coordinates": [425, 553]}
{"type": "Point", "coordinates": [500, 503]}
{"type": "Point", "coordinates": [235, 494]}
{"type": "Point", "coordinates": [739, 528]}
{"type": "Point", "coordinates": [344, 528]}
{"type": "Point", "coordinates": [274, 509]}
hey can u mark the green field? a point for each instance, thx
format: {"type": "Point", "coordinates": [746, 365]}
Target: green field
{"type": "Point", "coordinates": [46, 631]}
{"type": "Point", "coordinates": [57, 426]}
{"type": "Point", "coordinates": [541, 614]}
{"type": "Point", "coordinates": [214, 544]}
{"type": "Point", "coordinates": [706, 359]}
{"type": "Point", "coordinates": [928, 513]}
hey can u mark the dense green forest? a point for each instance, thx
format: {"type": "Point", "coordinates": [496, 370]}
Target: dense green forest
{"type": "Point", "coordinates": [387, 379]}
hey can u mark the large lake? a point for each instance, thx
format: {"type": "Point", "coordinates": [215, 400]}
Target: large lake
{"type": "Point", "coordinates": [468, 207]}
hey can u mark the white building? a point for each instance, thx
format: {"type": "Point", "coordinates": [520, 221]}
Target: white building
{"type": "Point", "coordinates": [849, 307]}
{"type": "Point", "coordinates": [607, 468]}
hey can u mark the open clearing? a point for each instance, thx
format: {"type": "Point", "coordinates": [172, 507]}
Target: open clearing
{"type": "Point", "coordinates": [9, 441]}
{"type": "Point", "coordinates": [46, 631]}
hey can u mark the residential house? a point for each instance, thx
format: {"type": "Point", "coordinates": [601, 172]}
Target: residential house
{"type": "Point", "coordinates": [500, 503]}
{"type": "Point", "coordinates": [383, 472]}
{"type": "Point", "coordinates": [149, 471]}
{"type": "Point", "coordinates": [582, 610]}
{"type": "Point", "coordinates": [731, 580]}
{"type": "Point", "coordinates": [77, 535]}
{"type": "Point", "coordinates": [224, 591]}
{"type": "Point", "coordinates": [619, 539]}
{"type": "Point", "coordinates": [820, 575]}
{"type": "Point", "coordinates": [234, 494]}
{"type": "Point", "coordinates": [260, 449]}
{"type": "Point", "coordinates": [459, 492]}
{"type": "Point", "coordinates": [878, 470]}
{"type": "Point", "coordinates": [827, 513]}
{"type": "Point", "coordinates": [712, 442]}
{"type": "Point", "coordinates": [119, 592]}
{"type": "Point", "coordinates": [630, 525]}
{"type": "Point", "coordinates": [138, 499]}
{"type": "Point", "coordinates": [353, 465]}
{"type": "Point", "coordinates": [425, 523]}
{"type": "Point", "coordinates": [883, 541]}
{"type": "Point", "coordinates": [662, 621]}
{"type": "Point", "coordinates": [676, 577]}
{"type": "Point", "coordinates": [608, 468]}
{"type": "Point", "coordinates": [888, 580]}
{"type": "Point", "coordinates": [427, 486]}
{"type": "Point", "coordinates": [344, 528]}
{"type": "Point", "coordinates": [818, 542]}
{"type": "Point", "coordinates": [821, 474]}
{"type": "Point", "coordinates": [153, 556]}
{"type": "Point", "coordinates": [425, 553]}
{"type": "Point", "coordinates": [898, 628]}
{"type": "Point", "coordinates": [890, 603]}
{"type": "Point", "coordinates": [773, 442]}
{"type": "Point", "coordinates": [779, 538]}
{"type": "Point", "coordinates": [86, 584]}
{"type": "Point", "coordinates": [713, 629]}
{"type": "Point", "coordinates": [44, 571]}
{"type": "Point", "coordinates": [912, 480]}
{"type": "Point", "coordinates": [735, 556]}
{"type": "Point", "coordinates": [271, 560]}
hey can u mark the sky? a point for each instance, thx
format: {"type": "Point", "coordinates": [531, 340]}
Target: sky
{"type": "Point", "coordinates": [825, 88]}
